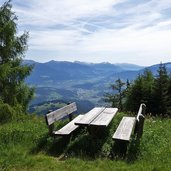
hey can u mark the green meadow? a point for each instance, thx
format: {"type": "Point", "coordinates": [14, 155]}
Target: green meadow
{"type": "Point", "coordinates": [26, 145]}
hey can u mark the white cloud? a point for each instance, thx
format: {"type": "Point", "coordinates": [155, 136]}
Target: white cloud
{"type": "Point", "coordinates": [97, 30]}
{"type": "Point", "coordinates": [57, 12]}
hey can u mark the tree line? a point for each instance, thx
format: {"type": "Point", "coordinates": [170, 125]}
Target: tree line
{"type": "Point", "coordinates": [153, 90]}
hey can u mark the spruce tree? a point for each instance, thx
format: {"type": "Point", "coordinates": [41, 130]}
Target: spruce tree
{"type": "Point", "coordinates": [140, 92]}
{"type": "Point", "coordinates": [134, 95]}
{"type": "Point", "coordinates": [13, 90]}
{"type": "Point", "coordinates": [160, 94]}
{"type": "Point", "coordinates": [147, 90]}
{"type": "Point", "coordinates": [169, 97]}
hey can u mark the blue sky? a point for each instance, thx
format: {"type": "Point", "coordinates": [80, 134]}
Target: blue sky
{"type": "Point", "coordinates": [116, 31]}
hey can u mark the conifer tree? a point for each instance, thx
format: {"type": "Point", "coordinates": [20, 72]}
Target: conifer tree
{"type": "Point", "coordinates": [169, 97]}
{"type": "Point", "coordinates": [13, 90]}
{"type": "Point", "coordinates": [147, 90]}
{"type": "Point", "coordinates": [160, 94]}
{"type": "Point", "coordinates": [140, 92]}
{"type": "Point", "coordinates": [155, 92]}
{"type": "Point", "coordinates": [134, 95]}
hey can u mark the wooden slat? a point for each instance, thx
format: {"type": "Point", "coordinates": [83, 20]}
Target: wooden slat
{"type": "Point", "coordinates": [68, 128]}
{"type": "Point", "coordinates": [60, 113]}
{"type": "Point", "coordinates": [140, 125]}
{"type": "Point", "coordinates": [124, 129]}
{"type": "Point", "coordinates": [104, 118]}
{"type": "Point", "coordinates": [140, 120]}
{"type": "Point", "coordinates": [90, 116]}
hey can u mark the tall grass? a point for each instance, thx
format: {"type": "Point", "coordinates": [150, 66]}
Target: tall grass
{"type": "Point", "coordinates": [25, 145]}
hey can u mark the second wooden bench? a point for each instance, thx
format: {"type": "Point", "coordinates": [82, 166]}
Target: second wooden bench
{"type": "Point", "coordinates": [56, 115]}
{"type": "Point", "coordinates": [128, 124]}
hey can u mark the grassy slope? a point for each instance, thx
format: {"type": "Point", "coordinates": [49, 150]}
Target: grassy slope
{"type": "Point", "coordinates": [25, 145]}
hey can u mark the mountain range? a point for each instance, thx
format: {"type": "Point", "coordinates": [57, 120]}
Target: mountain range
{"type": "Point", "coordinates": [80, 81]}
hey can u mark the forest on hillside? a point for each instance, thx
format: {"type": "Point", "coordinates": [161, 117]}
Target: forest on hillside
{"type": "Point", "coordinates": [154, 91]}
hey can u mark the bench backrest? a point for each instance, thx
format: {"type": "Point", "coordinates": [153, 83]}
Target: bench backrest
{"type": "Point", "coordinates": [60, 113]}
{"type": "Point", "coordinates": [140, 121]}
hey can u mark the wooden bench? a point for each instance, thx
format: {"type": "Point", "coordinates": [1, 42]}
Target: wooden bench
{"type": "Point", "coordinates": [56, 115]}
{"type": "Point", "coordinates": [128, 124]}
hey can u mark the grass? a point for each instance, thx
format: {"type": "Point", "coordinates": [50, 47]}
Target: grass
{"type": "Point", "coordinates": [25, 145]}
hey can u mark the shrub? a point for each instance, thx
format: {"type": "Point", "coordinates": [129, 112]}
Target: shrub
{"type": "Point", "coordinates": [6, 113]}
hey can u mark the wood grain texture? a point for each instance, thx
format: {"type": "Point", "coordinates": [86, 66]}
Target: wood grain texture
{"type": "Point", "coordinates": [60, 113]}
{"type": "Point", "coordinates": [90, 116]}
{"type": "Point", "coordinates": [105, 117]}
{"type": "Point", "coordinates": [124, 129]}
{"type": "Point", "coordinates": [68, 128]}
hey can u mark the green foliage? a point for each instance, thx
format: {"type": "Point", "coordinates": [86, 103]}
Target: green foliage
{"type": "Point", "coordinates": [134, 95]}
{"type": "Point", "coordinates": [13, 90]}
{"type": "Point", "coordinates": [160, 94]}
{"type": "Point", "coordinates": [169, 95]}
{"type": "Point", "coordinates": [111, 98]}
{"type": "Point", "coordinates": [140, 92]}
{"type": "Point", "coordinates": [12, 46]}
{"type": "Point", "coordinates": [153, 91]}
{"type": "Point", "coordinates": [117, 98]}
{"type": "Point", "coordinates": [6, 113]}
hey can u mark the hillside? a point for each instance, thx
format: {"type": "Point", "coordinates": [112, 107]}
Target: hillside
{"type": "Point", "coordinates": [53, 72]}
{"type": "Point", "coordinates": [25, 145]}
{"type": "Point", "coordinates": [79, 81]}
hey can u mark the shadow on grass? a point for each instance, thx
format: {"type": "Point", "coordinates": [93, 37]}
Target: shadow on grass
{"type": "Point", "coordinates": [88, 144]}
{"type": "Point", "coordinates": [53, 146]}
{"type": "Point", "coordinates": [127, 151]}
{"type": "Point", "coordinates": [119, 149]}
{"type": "Point", "coordinates": [133, 150]}
{"type": "Point", "coordinates": [82, 144]}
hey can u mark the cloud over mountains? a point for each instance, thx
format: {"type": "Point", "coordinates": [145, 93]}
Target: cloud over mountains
{"type": "Point", "coordinates": [135, 31]}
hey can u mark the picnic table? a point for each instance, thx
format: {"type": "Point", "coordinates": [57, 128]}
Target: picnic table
{"type": "Point", "coordinates": [98, 116]}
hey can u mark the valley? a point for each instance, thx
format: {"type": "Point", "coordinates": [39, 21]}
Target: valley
{"type": "Point", "coordinates": [63, 82]}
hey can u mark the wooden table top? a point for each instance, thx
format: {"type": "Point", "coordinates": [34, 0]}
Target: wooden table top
{"type": "Point", "coordinates": [98, 116]}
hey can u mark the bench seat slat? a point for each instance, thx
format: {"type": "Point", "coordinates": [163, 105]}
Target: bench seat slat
{"type": "Point", "coordinates": [124, 129]}
{"type": "Point", "coordinates": [68, 128]}
{"type": "Point", "coordinates": [91, 115]}
{"type": "Point", "coordinates": [105, 117]}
